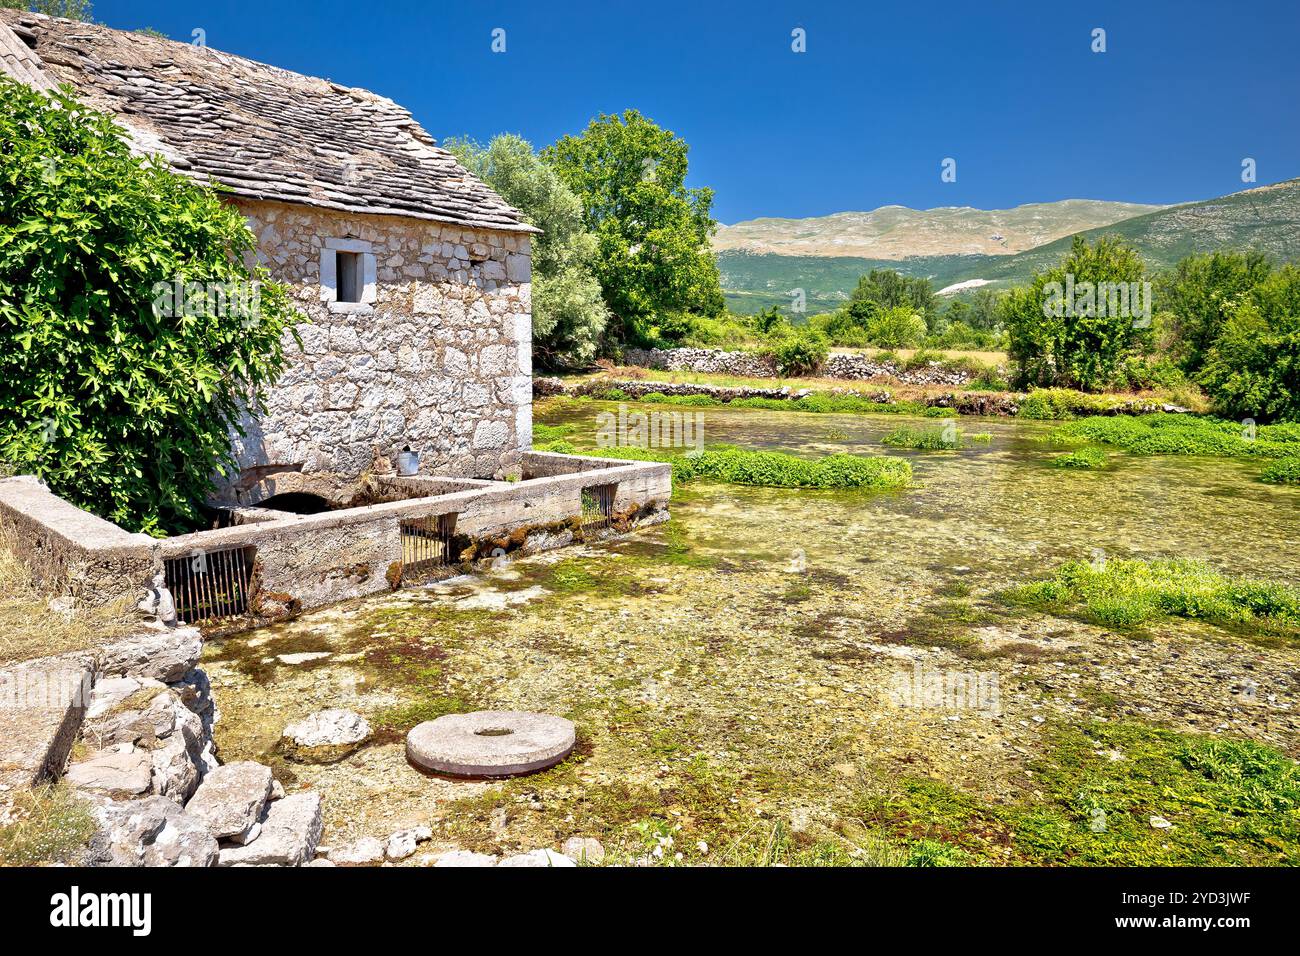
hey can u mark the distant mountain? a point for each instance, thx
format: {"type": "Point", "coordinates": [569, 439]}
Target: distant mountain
{"type": "Point", "coordinates": [897, 232]}
{"type": "Point", "coordinates": [1266, 218]}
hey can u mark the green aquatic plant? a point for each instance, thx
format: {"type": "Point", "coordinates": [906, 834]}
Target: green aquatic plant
{"type": "Point", "coordinates": [738, 466]}
{"type": "Point", "coordinates": [1057, 404]}
{"type": "Point", "coordinates": [1283, 472]}
{"type": "Point", "coordinates": [1128, 593]}
{"type": "Point", "coordinates": [1168, 434]}
{"type": "Point", "coordinates": [1230, 802]}
{"type": "Point", "coordinates": [925, 439]}
{"type": "Point", "coordinates": [1084, 458]}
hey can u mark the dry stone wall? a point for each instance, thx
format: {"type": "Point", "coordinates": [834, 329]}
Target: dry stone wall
{"type": "Point", "coordinates": [437, 354]}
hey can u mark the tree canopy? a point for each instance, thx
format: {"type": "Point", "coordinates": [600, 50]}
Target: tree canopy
{"type": "Point", "coordinates": [569, 313]}
{"type": "Point", "coordinates": [653, 234]}
{"type": "Point", "coordinates": [133, 333]}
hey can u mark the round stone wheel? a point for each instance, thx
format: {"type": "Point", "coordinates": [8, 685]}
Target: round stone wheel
{"type": "Point", "coordinates": [490, 743]}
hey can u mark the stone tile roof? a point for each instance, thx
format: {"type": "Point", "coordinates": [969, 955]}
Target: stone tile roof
{"type": "Point", "coordinates": [263, 132]}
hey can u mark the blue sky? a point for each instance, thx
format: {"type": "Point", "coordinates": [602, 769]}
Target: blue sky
{"type": "Point", "coordinates": [864, 118]}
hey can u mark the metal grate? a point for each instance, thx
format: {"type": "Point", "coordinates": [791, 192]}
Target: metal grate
{"type": "Point", "coordinates": [211, 584]}
{"type": "Point", "coordinates": [598, 506]}
{"type": "Point", "coordinates": [427, 542]}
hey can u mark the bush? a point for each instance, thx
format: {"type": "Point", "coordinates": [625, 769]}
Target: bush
{"type": "Point", "coordinates": [1200, 294]}
{"type": "Point", "coordinates": [123, 402]}
{"type": "Point", "coordinates": [797, 350]}
{"type": "Point", "coordinates": [1253, 369]}
{"type": "Point", "coordinates": [898, 328]}
{"type": "Point", "coordinates": [1070, 343]}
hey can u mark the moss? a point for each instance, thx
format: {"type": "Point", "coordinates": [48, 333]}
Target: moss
{"type": "Point", "coordinates": [1231, 802]}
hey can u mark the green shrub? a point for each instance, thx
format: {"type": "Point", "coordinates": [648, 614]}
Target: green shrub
{"type": "Point", "coordinates": [1283, 472]}
{"type": "Point", "coordinates": [1253, 368]}
{"type": "Point", "coordinates": [901, 327]}
{"type": "Point", "coordinates": [120, 399]}
{"type": "Point", "coordinates": [725, 463]}
{"type": "Point", "coordinates": [797, 350]}
{"type": "Point", "coordinates": [1070, 343]}
{"type": "Point", "coordinates": [1084, 458]}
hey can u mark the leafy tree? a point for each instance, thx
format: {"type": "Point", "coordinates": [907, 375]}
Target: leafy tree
{"type": "Point", "coordinates": [899, 326]}
{"type": "Point", "coordinates": [1253, 368]}
{"type": "Point", "coordinates": [68, 9]}
{"type": "Point", "coordinates": [1067, 329]}
{"type": "Point", "coordinates": [765, 320]}
{"type": "Point", "coordinates": [121, 397]}
{"type": "Point", "coordinates": [883, 289]}
{"type": "Point", "coordinates": [1199, 295]}
{"type": "Point", "coordinates": [569, 315]}
{"type": "Point", "coordinates": [654, 262]}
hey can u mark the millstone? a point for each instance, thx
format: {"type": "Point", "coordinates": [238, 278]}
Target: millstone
{"type": "Point", "coordinates": [490, 743]}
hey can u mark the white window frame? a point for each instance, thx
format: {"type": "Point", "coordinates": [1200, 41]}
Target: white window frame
{"type": "Point", "coordinates": [329, 279]}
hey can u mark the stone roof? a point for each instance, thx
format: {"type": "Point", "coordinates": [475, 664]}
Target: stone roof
{"type": "Point", "coordinates": [262, 132]}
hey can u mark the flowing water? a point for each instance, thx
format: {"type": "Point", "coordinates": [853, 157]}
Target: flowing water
{"type": "Point", "coordinates": [743, 670]}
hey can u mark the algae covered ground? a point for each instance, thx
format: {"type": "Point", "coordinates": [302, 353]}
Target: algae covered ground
{"type": "Point", "coordinates": [845, 676]}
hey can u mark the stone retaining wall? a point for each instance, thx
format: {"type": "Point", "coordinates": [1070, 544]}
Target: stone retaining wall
{"type": "Point", "coordinates": [308, 561]}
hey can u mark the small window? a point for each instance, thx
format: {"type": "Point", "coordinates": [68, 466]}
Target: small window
{"type": "Point", "coordinates": [348, 271]}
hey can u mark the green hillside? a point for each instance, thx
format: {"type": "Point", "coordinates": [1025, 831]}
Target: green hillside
{"type": "Point", "coordinates": [1266, 218]}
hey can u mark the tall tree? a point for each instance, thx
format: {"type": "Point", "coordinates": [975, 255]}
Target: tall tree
{"type": "Point", "coordinates": [569, 314]}
{"type": "Point", "coordinates": [1200, 294]}
{"type": "Point", "coordinates": [881, 290]}
{"type": "Point", "coordinates": [132, 333]}
{"type": "Point", "coordinates": [1065, 328]}
{"type": "Point", "coordinates": [68, 9]}
{"type": "Point", "coordinates": [652, 233]}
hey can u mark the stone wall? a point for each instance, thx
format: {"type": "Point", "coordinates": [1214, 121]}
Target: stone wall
{"type": "Point", "coordinates": [851, 366]}
{"type": "Point", "coordinates": [71, 552]}
{"type": "Point", "coordinates": [437, 355]}
{"type": "Point", "coordinates": [713, 361]}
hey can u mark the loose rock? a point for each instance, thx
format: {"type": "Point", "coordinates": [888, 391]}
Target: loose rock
{"type": "Point", "coordinates": [325, 737]}
{"type": "Point", "coordinates": [290, 834]}
{"type": "Point", "coordinates": [232, 799]}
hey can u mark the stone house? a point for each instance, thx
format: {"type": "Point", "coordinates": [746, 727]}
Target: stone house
{"type": "Point", "coordinates": [413, 276]}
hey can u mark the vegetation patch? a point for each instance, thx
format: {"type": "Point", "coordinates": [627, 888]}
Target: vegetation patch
{"type": "Point", "coordinates": [48, 825]}
{"type": "Point", "coordinates": [1104, 792]}
{"type": "Point", "coordinates": [771, 469]}
{"type": "Point", "coordinates": [1129, 593]}
{"type": "Point", "coordinates": [1164, 434]}
{"type": "Point", "coordinates": [1283, 472]}
{"type": "Point", "coordinates": [934, 439]}
{"type": "Point", "coordinates": [1083, 459]}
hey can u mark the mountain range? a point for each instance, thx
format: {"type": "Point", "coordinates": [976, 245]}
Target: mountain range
{"type": "Point", "coordinates": [763, 259]}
